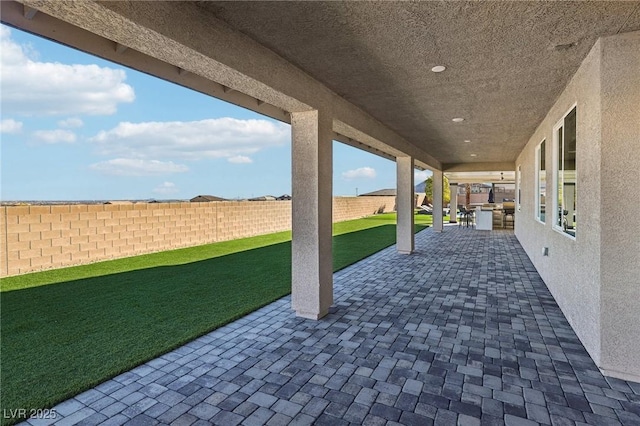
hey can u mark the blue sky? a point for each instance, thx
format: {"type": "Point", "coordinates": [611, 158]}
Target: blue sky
{"type": "Point", "coordinates": [75, 127]}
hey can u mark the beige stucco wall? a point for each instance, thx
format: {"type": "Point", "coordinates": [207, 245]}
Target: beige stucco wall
{"type": "Point", "coordinates": [34, 238]}
{"type": "Point", "coordinates": [620, 236]}
{"type": "Point", "coordinates": [594, 278]}
{"type": "Point", "coordinates": [572, 268]}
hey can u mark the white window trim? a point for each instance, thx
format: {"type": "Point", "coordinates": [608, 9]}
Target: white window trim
{"type": "Point", "coordinates": [518, 187]}
{"type": "Point", "coordinates": [556, 207]}
{"type": "Point", "coordinates": [537, 184]}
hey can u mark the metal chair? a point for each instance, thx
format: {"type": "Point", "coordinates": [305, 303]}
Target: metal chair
{"type": "Point", "coordinates": [467, 216]}
{"type": "Point", "coordinates": [508, 211]}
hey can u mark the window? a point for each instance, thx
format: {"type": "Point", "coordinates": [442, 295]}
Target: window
{"type": "Point", "coordinates": [541, 182]}
{"type": "Point", "coordinates": [566, 190]}
{"type": "Point", "coordinates": [519, 191]}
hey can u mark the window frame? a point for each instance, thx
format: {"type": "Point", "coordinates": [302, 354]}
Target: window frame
{"type": "Point", "coordinates": [538, 174]}
{"type": "Point", "coordinates": [518, 187]}
{"type": "Point", "coordinates": [557, 205]}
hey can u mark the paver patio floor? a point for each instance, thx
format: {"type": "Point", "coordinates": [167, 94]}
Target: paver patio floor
{"type": "Point", "coordinates": [464, 331]}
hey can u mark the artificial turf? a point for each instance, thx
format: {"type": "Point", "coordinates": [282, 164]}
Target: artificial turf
{"type": "Point", "coordinates": [67, 330]}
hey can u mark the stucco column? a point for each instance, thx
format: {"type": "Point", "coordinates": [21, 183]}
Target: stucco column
{"type": "Point", "coordinates": [312, 169]}
{"type": "Point", "coordinates": [437, 201]}
{"type": "Point", "coordinates": [453, 203]}
{"type": "Point", "coordinates": [405, 204]}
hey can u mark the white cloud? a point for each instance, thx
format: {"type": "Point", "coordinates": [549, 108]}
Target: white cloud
{"type": "Point", "coordinates": [420, 176]}
{"type": "Point", "coordinates": [34, 88]}
{"type": "Point", "coordinates": [72, 122]}
{"type": "Point", "coordinates": [191, 140]}
{"type": "Point", "coordinates": [137, 167]}
{"type": "Point", "coordinates": [10, 125]}
{"type": "Point", "coordinates": [240, 159]}
{"type": "Point", "coordinates": [166, 188]}
{"type": "Point", "coordinates": [55, 136]}
{"type": "Point", "coordinates": [361, 173]}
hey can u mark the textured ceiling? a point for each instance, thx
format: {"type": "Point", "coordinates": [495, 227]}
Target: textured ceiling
{"type": "Point", "coordinates": [503, 74]}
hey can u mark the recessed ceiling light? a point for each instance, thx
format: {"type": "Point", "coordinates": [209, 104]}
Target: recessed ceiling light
{"type": "Point", "coordinates": [467, 141]}
{"type": "Point", "coordinates": [474, 155]}
{"type": "Point", "coordinates": [457, 119]}
{"type": "Point", "coordinates": [438, 68]}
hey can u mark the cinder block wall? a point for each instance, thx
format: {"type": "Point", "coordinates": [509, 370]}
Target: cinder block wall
{"type": "Point", "coordinates": [240, 219]}
{"type": "Point", "coordinates": [346, 208]}
{"type": "Point", "coordinates": [34, 238]}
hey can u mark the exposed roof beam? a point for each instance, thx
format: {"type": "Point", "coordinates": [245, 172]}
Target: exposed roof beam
{"type": "Point", "coordinates": [478, 167]}
{"type": "Point", "coordinates": [457, 179]}
{"type": "Point", "coordinates": [364, 147]}
{"type": "Point", "coordinates": [354, 135]}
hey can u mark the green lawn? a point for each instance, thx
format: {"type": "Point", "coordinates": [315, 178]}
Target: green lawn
{"type": "Point", "coordinates": [66, 330]}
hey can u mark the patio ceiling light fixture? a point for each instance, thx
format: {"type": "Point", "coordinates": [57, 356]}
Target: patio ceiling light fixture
{"type": "Point", "coordinates": [467, 141]}
{"type": "Point", "coordinates": [457, 119]}
{"type": "Point", "coordinates": [438, 68]}
{"type": "Point", "coordinates": [474, 155]}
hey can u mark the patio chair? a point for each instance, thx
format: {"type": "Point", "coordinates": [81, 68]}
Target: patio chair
{"type": "Point", "coordinates": [467, 216]}
{"type": "Point", "coordinates": [508, 215]}
{"type": "Point", "coordinates": [425, 210]}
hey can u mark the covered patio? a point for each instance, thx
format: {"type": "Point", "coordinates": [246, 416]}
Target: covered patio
{"type": "Point", "coordinates": [464, 331]}
{"type": "Point", "coordinates": [546, 91]}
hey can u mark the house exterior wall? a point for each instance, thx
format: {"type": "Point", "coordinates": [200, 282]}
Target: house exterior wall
{"type": "Point", "coordinates": [34, 238]}
{"type": "Point", "coordinates": [572, 268]}
{"type": "Point", "coordinates": [594, 277]}
{"type": "Point", "coordinates": [620, 230]}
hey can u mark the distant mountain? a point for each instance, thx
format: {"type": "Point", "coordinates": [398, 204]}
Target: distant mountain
{"type": "Point", "coordinates": [420, 187]}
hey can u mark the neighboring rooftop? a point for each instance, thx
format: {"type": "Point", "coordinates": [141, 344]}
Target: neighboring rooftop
{"type": "Point", "coordinates": [381, 193]}
{"type": "Point", "coordinates": [206, 198]}
{"type": "Point", "coordinates": [263, 198]}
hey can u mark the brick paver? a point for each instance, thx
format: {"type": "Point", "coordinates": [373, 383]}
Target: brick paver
{"type": "Point", "coordinates": [463, 331]}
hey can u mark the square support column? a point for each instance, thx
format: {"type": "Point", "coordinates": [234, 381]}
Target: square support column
{"type": "Point", "coordinates": [405, 203]}
{"type": "Point", "coordinates": [453, 202]}
{"type": "Point", "coordinates": [437, 201]}
{"type": "Point", "coordinates": [312, 198]}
